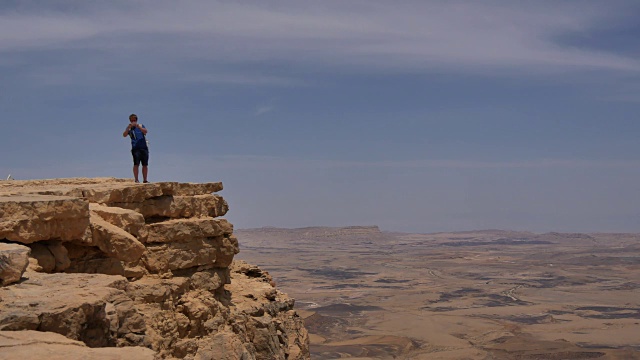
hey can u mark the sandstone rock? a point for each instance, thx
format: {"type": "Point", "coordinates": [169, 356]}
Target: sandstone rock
{"type": "Point", "coordinates": [210, 280]}
{"type": "Point", "coordinates": [127, 193]}
{"type": "Point", "coordinates": [59, 187]}
{"type": "Point", "coordinates": [164, 292]}
{"type": "Point", "coordinates": [130, 192]}
{"type": "Point", "coordinates": [134, 270]}
{"type": "Point", "coordinates": [205, 313]}
{"type": "Point", "coordinates": [223, 346]}
{"type": "Point", "coordinates": [183, 302]}
{"type": "Point", "coordinates": [34, 266]}
{"type": "Point", "coordinates": [25, 186]}
{"type": "Point", "coordinates": [129, 325]}
{"type": "Point", "coordinates": [217, 251]}
{"type": "Point", "coordinates": [62, 191]}
{"type": "Point", "coordinates": [251, 271]}
{"type": "Point", "coordinates": [292, 326]}
{"type": "Point", "coordinates": [190, 189]}
{"type": "Point", "coordinates": [180, 230]}
{"type": "Point", "coordinates": [128, 220]}
{"type": "Point", "coordinates": [35, 345]}
{"type": "Point", "coordinates": [164, 329]}
{"type": "Point", "coordinates": [14, 260]}
{"type": "Point", "coordinates": [265, 315]}
{"type": "Point", "coordinates": [183, 348]}
{"type": "Point", "coordinates": [177, 314]}
{"type": "Point", "coordinates": [114, 241]}
{"type": "Point", "coordinates": [178, 206]}
{"type": "Point", "coordinates": [30, 218]}
{"type": "Point", "coordinates": [69, 304]}
{"type": "Point", "coordinates": [257, 298]}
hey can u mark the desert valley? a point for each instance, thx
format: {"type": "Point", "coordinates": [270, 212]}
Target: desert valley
{"type": "Point", "coordinates": [369, 294]}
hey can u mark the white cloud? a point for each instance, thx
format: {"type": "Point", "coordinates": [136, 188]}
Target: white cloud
{"type": "Point", "coordinates": [413, 36]}
{"type": "Point", "coordinates": [244, 79]}
{"type": "Point", "coordinates": [264, 109]}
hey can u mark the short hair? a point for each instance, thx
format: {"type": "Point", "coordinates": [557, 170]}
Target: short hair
{"type": "Point", "coordinates": [133, 116]}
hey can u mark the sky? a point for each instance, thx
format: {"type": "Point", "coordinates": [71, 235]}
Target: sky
{"type": "Point", "coordinates": [416, 116]}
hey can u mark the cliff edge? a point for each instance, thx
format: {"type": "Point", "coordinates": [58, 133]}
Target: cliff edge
{"type": "Point", "coordinates": [109, 269]}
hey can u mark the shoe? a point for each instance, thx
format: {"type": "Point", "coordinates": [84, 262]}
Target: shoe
{"type": "Point", "coordinates": [137, 182]}
{"type": "Point", "coordinates": [146, 182]}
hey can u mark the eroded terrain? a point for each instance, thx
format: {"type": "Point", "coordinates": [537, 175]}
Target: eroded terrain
{"type": "Point", "coordinates": [367, 294]}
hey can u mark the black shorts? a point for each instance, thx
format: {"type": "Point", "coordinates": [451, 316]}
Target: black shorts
{"type": "Point", "coordinates": [140, 156]}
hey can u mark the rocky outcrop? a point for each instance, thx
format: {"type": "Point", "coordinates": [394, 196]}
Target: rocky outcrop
{"type": "Point", "coordinates": [107, 263]}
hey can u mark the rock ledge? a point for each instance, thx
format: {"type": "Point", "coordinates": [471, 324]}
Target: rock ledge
{"type": "Point", "coordinates": [88, 266]}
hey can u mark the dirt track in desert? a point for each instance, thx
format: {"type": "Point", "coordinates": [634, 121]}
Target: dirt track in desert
{"type": "Point", "coordinates": [367, 294]}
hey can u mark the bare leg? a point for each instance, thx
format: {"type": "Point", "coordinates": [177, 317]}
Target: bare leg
{"type": "Point", "coordinates": [135, 172]}
{"type": "Point", "coordinates": [145, 171]}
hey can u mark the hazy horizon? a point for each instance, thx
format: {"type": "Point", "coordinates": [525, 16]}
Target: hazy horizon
{"type": "Point", "coordinates": [266, 227]}
{"type": "Point", "coordinates": [415, 116]}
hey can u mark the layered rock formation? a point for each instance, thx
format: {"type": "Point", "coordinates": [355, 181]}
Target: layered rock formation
{"type": "Point", "coordinates": [106, 263]}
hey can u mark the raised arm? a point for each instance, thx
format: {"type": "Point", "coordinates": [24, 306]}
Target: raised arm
{"type": "Point", "coordinates": [126, 131]}
{"type": "Point", "coordinates": [143, 129]}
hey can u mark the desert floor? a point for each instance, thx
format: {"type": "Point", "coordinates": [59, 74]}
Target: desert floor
{"type": "Point", "coordinates": [367, 294]}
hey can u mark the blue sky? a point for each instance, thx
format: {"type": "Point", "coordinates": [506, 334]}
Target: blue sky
{"type": "Point", "coordinates": [417, 116]}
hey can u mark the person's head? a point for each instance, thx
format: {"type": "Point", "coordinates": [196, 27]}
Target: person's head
{"type": "Point", "coordinates": [133, 118]}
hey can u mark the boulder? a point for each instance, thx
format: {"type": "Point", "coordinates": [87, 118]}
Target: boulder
{"type": "Point", "coordinates": [30, 218]}
{"type": "Point", "coordinates": [14, 259]}
{"type": "Point", "coordinates": [128, 220]}
{"type": "Point", "coordinates": [114, 241]}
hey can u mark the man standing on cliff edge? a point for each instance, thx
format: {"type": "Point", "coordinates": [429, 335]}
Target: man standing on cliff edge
{"type": "Point", "coordinates": [139, 150]}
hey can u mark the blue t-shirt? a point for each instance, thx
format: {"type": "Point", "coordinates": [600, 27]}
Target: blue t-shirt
{"type": "Point", "coordinates": [138, 141]}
